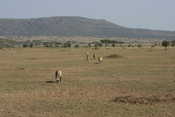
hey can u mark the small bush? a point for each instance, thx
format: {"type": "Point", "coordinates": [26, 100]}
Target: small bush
{"type": "Point", "coordinates": [76, 46]}
{"type": "Point", "coordinates": [113, 45]}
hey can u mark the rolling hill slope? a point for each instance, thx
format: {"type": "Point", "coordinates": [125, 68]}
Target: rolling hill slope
{"type": "Point", "coordinates": [75, 26]}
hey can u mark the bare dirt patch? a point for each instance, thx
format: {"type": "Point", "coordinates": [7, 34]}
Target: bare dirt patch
{"type": "Point", "coordinates": [153, 99]}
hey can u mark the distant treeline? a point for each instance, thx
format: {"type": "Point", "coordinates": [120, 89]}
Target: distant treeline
{"type": "Point", "coordinates": [5, 43]}
{"type": "Point", "coordinates": [111, 41]}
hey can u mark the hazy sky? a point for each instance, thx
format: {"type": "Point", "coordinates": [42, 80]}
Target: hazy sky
{"type": "Point", "coordinates": [152, 14]}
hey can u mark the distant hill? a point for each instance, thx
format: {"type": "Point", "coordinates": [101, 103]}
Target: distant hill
{"type": "Point", "coordinates": [75, 26]}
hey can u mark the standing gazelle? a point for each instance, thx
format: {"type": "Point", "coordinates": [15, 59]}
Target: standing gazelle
{"type": "Point", "coordinates": [58, 76]}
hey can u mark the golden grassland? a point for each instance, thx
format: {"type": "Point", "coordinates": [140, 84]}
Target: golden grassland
{"type": "Point", "coordinates": [88, 89]}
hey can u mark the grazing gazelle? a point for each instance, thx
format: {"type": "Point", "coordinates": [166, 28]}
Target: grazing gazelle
{"type": "Point", "coordinates": [58, 76]}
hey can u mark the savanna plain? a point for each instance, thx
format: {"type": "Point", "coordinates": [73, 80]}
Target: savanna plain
{"type": "Point", "coordinates": [130, 82]}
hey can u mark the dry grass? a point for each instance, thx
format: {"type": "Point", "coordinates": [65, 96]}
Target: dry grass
{"type": "Point", "coordinates": [26, 89]}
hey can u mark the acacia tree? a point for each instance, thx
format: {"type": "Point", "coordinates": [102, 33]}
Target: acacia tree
{"type": "Point", "coordinates": [165, 44]}
{"type": "Point", "coordinates": [67, 44]}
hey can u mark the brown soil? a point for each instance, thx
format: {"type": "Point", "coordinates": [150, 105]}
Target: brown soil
{"type": "Point", "coordinates": [145, 100]}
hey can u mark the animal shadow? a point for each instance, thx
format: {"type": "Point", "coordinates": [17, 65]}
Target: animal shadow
{"type": "Point", "coordinates": [50, 81]}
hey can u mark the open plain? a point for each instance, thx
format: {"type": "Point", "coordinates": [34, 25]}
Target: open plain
{"type": "Point", "coordinates": [139, 82]}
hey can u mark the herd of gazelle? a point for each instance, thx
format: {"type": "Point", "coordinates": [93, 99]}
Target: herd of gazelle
{"type": "Point", "coordinates": [99, 59]}
{"type": "Point", "coordinates": [59, 73]}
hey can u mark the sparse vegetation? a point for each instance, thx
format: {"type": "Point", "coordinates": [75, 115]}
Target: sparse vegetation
{"type": "Point", "coordinates": [96, 90]}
